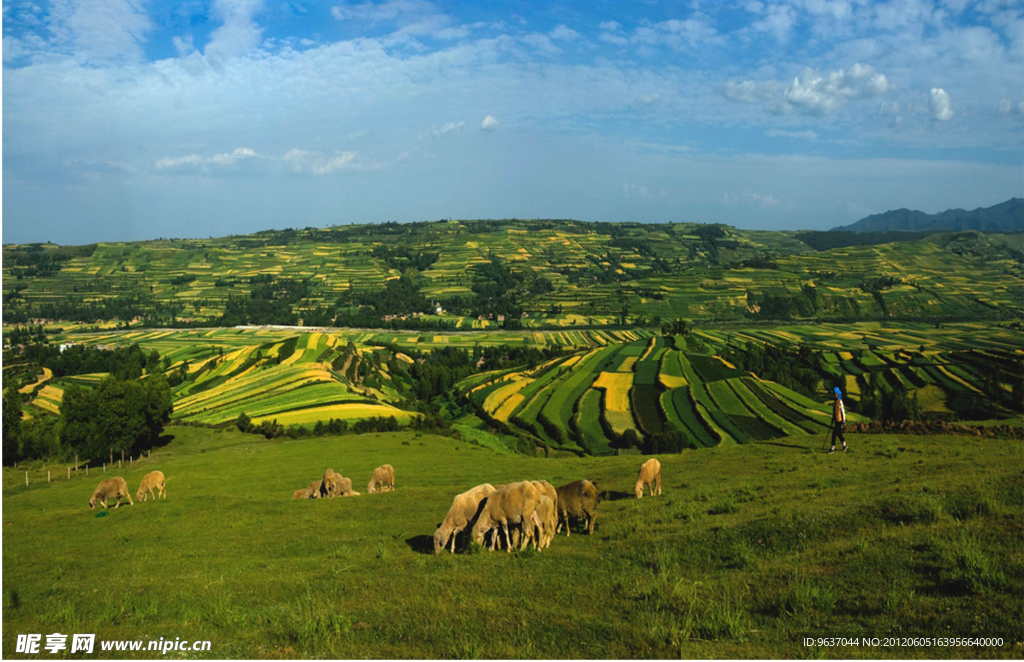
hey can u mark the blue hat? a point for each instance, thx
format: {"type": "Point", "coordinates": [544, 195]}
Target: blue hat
{"type": "Point", "coordinates": [838, 392]}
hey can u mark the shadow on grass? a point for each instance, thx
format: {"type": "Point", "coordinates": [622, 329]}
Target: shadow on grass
{"type": "Point", "coordinates": [421, 544]}
{"type": "Point", "coordinates": [797, 446]}
{"type": "Point", "coordinates": [611, 495]}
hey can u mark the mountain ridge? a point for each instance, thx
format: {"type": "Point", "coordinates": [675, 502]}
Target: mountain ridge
{"type": "Point", "coordinates": [1004, 217]}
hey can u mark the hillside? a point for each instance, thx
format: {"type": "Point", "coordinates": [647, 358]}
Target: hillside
{"type": "Point", "coordinates": [1005, 217]}
{"type": "Point", "coordinates": [749, 549]}
{"type": "Point", "coordinates": [478, 275]}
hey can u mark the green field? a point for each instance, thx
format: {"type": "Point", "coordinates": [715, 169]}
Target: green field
{"type": "Point", "coordinates": [750, 548]}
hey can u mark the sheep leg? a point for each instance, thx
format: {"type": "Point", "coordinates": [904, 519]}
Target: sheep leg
{"type": "Point", "coordinates": [590, 524]}
{"type": "Point", "coordinates": [508, 541]}
{"type": "Point", "coordinates": [454, 533]}
{"type": "Point", "coordinates": [659, 482]}
{"type": "Point", "coordinates": [118, 504]}
{"type": "Point", "coordinates": [104, 503]}
{"type": "Point", "coordinates": [565, 513]}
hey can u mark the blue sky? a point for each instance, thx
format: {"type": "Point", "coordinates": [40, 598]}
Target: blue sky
{"type": "Point", "coordinates": [128, 119]}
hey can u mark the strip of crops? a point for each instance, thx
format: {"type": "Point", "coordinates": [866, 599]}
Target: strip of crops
{"type": "Point", "coordinates": [712, 369]}
{"type": "Point", "coordinates": [558, 410]}
{"type": "Point", "coordinates": [694, 424]}
{"type": "Point", "coordinates": [784, 410]}
{"type": "Point", "coordinates": [726, 400]}
{"type": "Point", "coordinates": [742, 390]}
{"type": "Point", "coordinates": [588, 423]}
{"type": "Point", "coordinates": [645, 404]}
{"type": "Point", "coordinates": [670, 375]}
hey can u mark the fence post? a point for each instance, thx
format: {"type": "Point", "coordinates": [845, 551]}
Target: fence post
{"type": "Point", "coordinates": [119, 464]}
{"type": "Point", "coordinates": [47, 475]}
{"type": "Point", "coordinates": [104, 467]}
{"type": "Point", "coordinates": [69, 473]}
{"type": "Point", "coordinates": [76, 461]}
{"type": "Point", "coordinates": [87, 471]}
{"type": "Point", "coordinates": [26, 479]}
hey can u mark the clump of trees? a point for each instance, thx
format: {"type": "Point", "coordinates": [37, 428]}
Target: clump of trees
{"type": "Point", "coordinates": [117, 416]}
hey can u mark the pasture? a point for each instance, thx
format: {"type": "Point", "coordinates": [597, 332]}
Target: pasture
{"type": "Point", "coordinates": [751, 548]}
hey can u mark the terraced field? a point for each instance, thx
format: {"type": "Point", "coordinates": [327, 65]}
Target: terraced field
{"type": "Point", "coordinates": [595, 270]}
{"type": "Point", "coordinates": [591, 399]}
{"type": "Point", "coordinates": [608, 384]}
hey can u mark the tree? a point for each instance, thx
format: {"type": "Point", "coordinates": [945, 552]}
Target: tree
{"type": "Point", "coordinates": [116, 416]}
{"type": "Point", "coordinates": [11, 426]}
{"type": "Point", "coordinates": [243, 422]}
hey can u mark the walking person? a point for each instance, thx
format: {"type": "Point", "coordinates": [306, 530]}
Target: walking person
{"type": "Point", "coordinates": [838, 420]}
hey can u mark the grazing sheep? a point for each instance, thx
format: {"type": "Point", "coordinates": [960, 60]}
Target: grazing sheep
{"type": "Point", "coordinates": [304, 493]}
{"type": "Point", "coordinates": [463, 512]}
{"type": "Point", "coordinates": [547, 488]}
{"type": "Point", "coordinates": [516, 503]}
{"type": "Point", "coordinates": [154, 480]}
{"type": "Point", "coordinates": [578, 499]}
{"type": "Point", "coordinates": [334, 484]}
{"type": "Point", "coordinates": [544, 532]}
{"type": "Point", "coordinates": [314, 489]}
{"type": "Point", "coordinates": [650, 476]}
{"type": "Point", "coordinates": [108, 489]}
{"type": "Point", "coordinates": [383, 479]}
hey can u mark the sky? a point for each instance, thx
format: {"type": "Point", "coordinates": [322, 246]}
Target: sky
{"type": "Point", "coordinates": [136, 119]}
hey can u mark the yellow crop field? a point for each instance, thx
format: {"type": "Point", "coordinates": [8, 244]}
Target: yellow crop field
{"type": "Point", "coordinates": [294, 358]}
{"type": "Point", "coordinates": [672, 381]}
{"type": "Point", "coordinates": [342, 411]}
{"type": "Point", "coordinates": [616, 386]}
{"type": "Point", "coordinates": [627, 364]}
{"type": "Point", "coordinates": [498, 396]}
{"type": "Point", "coordinates": [47, 373]}
{"type": "Point", "coordinates": [509, 406]}
{"type": "Point", "coordinates": [846, 356]}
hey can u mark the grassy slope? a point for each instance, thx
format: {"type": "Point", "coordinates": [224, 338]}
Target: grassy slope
{"type": "Point", "coordinates": [749, 549]}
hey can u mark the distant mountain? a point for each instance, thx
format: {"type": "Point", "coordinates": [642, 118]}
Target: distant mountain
{"type": "Point", "coordinates": [1005, 217]}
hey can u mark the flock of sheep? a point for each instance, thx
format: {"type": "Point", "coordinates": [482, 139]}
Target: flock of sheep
{"type": "Point", "coordinates": [532, 510]}
{"type": "Point", "coordinates": [334, 484]}
{"type": "Point", "coordinates": [514, 514]}
{"type": "Point", "coordinates": [117, 488]}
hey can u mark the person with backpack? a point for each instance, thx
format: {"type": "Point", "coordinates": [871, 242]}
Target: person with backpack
{"type": "Point", "coordinates": [838, 420]}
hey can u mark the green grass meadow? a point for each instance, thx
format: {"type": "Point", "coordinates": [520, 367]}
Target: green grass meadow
{"type": "Point", "coordinates": [749, 549]}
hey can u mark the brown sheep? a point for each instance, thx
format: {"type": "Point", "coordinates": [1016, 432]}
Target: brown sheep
{"type": "Point", "coordinates": [152, 480]}
{"type": "Point", "coordinates": [383, 479]}
{"type": "Point", "coordinates": [304, 493]}
{"type": "Point", "coordinates": [108, 489]}
{"type": "Point", "coordinates": [516, 503]}
{"type": "Point", "coordinates": [463, 512]}
{"type": "Point", "coordinates": [314, 489]}
{"type": "Point", "coordinates": [578, 499]}
{"type": "Point", "coordinates": [650, 476]}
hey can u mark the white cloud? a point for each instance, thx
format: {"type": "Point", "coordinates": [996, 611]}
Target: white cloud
{"type": "Point", "coordinates": [202, 163]}
{"type": "Point", "coordinates": [238, 33]}
{"type": "Point", "coordinates": [316, 163]}
{"type": "Point", "coordinates": [564, 33]}
{"type": "Point", "coordinates": [412, 18]}
{"type": "Point", "coordinates": [778, 20]}
{"type": "Point", "coordinates": [447, 128]}
{"type": "Point", "coordinates": [610, 26]}
{"type": "Point", "coordinates": [100, 31]}
{"type": "Point", "coordinates": [813, 92]}
{"type": "Point", "coordinates": [646, 100]}
{"type": "Point", "coordinates": [542, 44]}
{"type": "Point", "coordinates": [1007, 107]}
{"type": "Point", "coordinates": [679, 34]}
{"type": "Point", "coordinates": [615, 39]}
{"type": "Point", "coordinates": [940, 105]}
{"type": "Point", "coordinates": [783, 133]}
{"type": "Point", "coordinates": [489, 123]}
